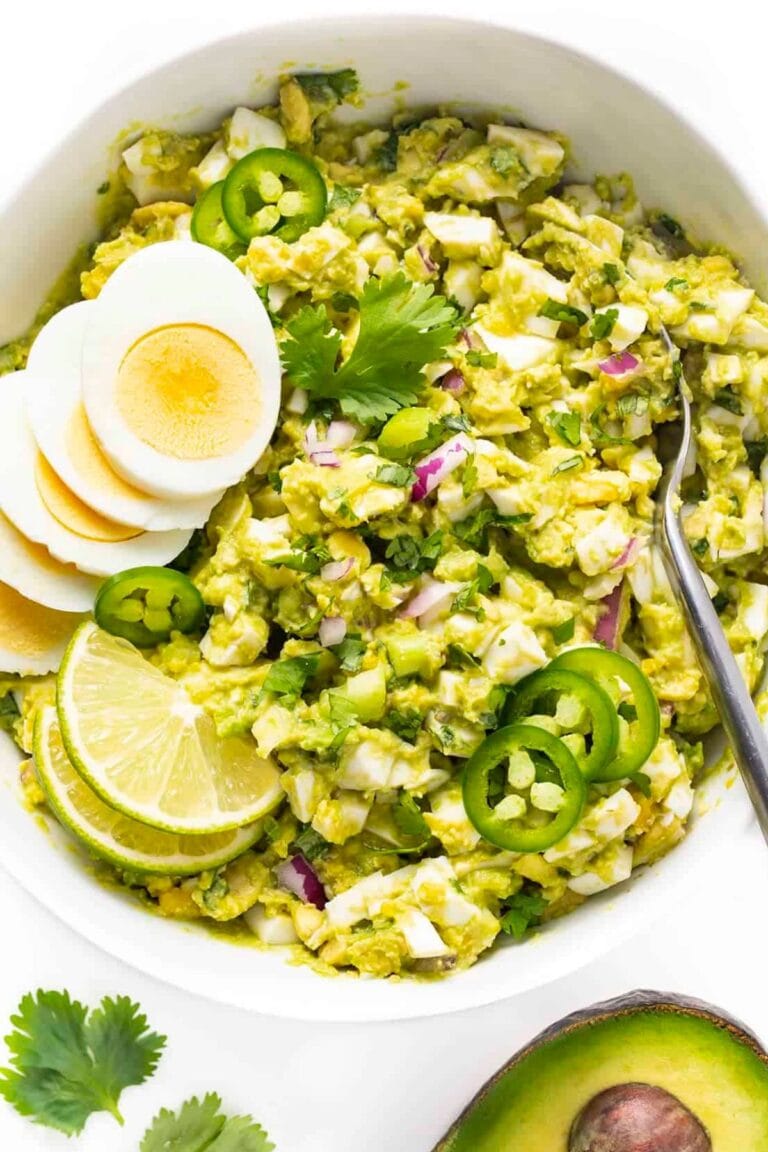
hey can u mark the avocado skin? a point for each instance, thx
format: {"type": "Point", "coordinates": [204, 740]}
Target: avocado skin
{"type": "Point", "coordinates": [714, 1064]}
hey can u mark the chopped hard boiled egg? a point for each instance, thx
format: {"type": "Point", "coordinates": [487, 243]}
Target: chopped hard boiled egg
{"type": "Point", "coordinates": [41, 506]}
{"type": "Point", "coordinates": [32, 638]}
{"type": "Point", "coordinates": [54, 407]}
{"type": "Point", "coordinates": [181, 375]}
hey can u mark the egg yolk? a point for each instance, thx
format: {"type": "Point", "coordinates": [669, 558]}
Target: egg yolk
{"type": "Point", "coordinates": [189, 392]}
{"type": "Point", "coordinates": [71, 512]}
{"type": "Point", "coordinates": [30, 629]}
{"type": "Point", "coordinates": [91, 463]}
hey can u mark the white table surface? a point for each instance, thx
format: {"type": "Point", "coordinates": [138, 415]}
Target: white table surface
{"type": "Point", "coordinates": [386, 1087]}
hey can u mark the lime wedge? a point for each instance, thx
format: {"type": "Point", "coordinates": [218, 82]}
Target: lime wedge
{"type": "Point", "coordinates": [115, 837]}
{"type": "Point", "coordinates": [148, 750]}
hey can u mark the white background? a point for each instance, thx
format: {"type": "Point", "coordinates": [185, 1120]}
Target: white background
{"type": "Point", "coordinates": [379, 1088]}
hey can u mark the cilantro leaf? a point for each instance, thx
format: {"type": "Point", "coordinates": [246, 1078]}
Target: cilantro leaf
{"type": "Point", "coordinates": [9, 713]}
{"type": "Point", "coordinates": [728, 399]}
{"type": "Point", "coordinates": [403, 326]}
{"type": "Point", "coordinates": [408, 818]}
{"type": "Point", "coordinates": [603, 323]}
{"type": "Point", "coordinates": [564, 313]}
{"type": "Point", "coordinates": [200, 1126]}
{"type": "Point", "coordinates": [642, 782]}
{"type": "Point", "coordinates": [562, 633]}
{"type": "Point", "coordinates": [311, 844]}
{"type": "Point", "coordinates": [675, 283]}
{"type": "Point", "coordinates": [405, 723]}
{"type": "Point", "coordinates": [398, 475]}
{"type": "Point", "coordinates": [482, 359]}
{"type": "Point", "coordinates": [350, 652]}
{"type": "Point", "coordinates": [522, 911]}
{"type": "Point", "coordinates": [473, 531]}
{"type": "Point", "coordinates": [288, 677]}
{"type": "Point", "coordinates": [633, 403]}
{"type": "Point", "coordinates": [343, 196]}
{"type": "Point", "coordinates": [611, 273]}
{"type": "Point", "coordinates": [567, 425]}
{"type": "Point", "coordinates": [67, 1063]}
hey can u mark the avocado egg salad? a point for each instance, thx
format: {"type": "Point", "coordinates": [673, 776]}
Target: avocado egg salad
{"type": "Point", "coordinates": [329, 610]}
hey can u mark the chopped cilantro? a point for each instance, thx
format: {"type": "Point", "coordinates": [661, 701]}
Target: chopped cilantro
{"type": "Point", "coordinates": [700, 547]}
{"type": "Point", "coordinates": [567, 425]}
{"type": "Point", "coordinates": [404, 722]}
{"type": "Point", "coordinates": [408, 818]}
{"type": "Point", "coordinates": [456, 423]}
{"type": "Point", "coordinates": [403, 326]}
{"type": "Point", "coordinates": [9, 712]}
{"type": "Point", "coordinates": [728, 399]}
{"type": "Point", "coordinates": [669, 224]}
{"type": "Point", "coordinates": [521, 912]}
{"type": "Point", "coordinates": [350, 652]}
{"type": "Point", "coordinates": [288, 677]}
{"type": "Point", "coordinates": [598, 433]}
{"type": "Point", "coordinates": [329, 87]}
{"type": "Point", "coordinates": [633, 404]}
{"type": "Point", "coordinates": [677, 371]}
{"type": "Point", "coordinates": [756, 453]}
{"type": "Point", "coordinates": [676, 284]}
{"type": "Point", "coordinates": [344, 302]}
{"type": "Point", "coordinates": [398, 475]}
{"type": "Point", "coordinates": [103, 188]}
{"type": "Point", "coordinates": [343, 196]}
{"type": "Point", "coordinates": [603, 323]}
{"type": "Point", "coordinates": [311, 844]}
{"type": "Point", "coordinates": [481, 359]}
{"type": "Point", "coordinates": [611, 273]}
{"type": "Point", "coordinates": [562, 633]}
{"type": "Point", "coordinates": [385, 157]}
{"type": "Point", "coordinates": [568, 465]}
{"type": "Point", "coordinates": [458, 655]}
{"type": "Point", "coordinates": [275, 481]}
{"type": "Point", "coordinates": [469, 478]}
{"type": "Point", "coordinates": [474, 530]}
{"type": "Point", "coordinates": [698, 306]}
{"type": "Point", "coordinates": [564, 313]}
{"type": "Point", "coordinates": [410, 555]}
{"type": "Point", "coordinates": [720, 602]}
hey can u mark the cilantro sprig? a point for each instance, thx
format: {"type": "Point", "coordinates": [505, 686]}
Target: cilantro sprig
{"type": "Point", "coordinates": [403, 327]}
{"type": "Point", "coordinates": [67, 1062]}
{"type": "Point", "coordinates": [201, 1126]}
{"type": "Point", "coordinates": [521, 912]}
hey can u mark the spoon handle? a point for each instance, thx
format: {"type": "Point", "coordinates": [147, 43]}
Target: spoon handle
{"type": "Point", "coordinates": [726, 683]}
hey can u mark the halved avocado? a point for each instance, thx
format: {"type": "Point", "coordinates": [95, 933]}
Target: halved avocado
{"type": "Point", "coordinates": [643, 1071]}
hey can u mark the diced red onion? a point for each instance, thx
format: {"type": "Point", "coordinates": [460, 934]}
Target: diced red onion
{"type": "Point", "coordinates": [619, 364]}
{"type": "Point", "coordinates": [468, 338]}
{"type": "Point", "coordinates": [332, 631]}
{"type": "Point", "coordinates": [607, 627]}
{"type": "Point", "coordinates": [453, 381]}
{"type": "Point", "coordinates": [336, 569]}
{"type": "Point", "coordinates": [433, 469]}
{"type": "Point", "coordinates": [298, 402]}
{"type": "Point", "coordinates": [431, 594]}
{"type": "Point", "coordinates": [340, 434]}
{"type": "Point", "coordinates": [426, 259]}
{"type": "Point", "coordinates": [631, 548]}
{"type": "Point", "coordinates": [298, 876]}
{"type": "Point", "coordinates": [325, 459]}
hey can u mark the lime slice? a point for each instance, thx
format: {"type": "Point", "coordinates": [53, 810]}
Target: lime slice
{"type": "Point", "coordinates": [115, 837]}
{"type": "Point", "coordinates": [148, 750]}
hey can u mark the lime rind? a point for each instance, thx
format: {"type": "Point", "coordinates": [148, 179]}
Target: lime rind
{"type": "Point", "coordinates": [115, 837]}
{"type": "Point", "coordinates": [154, 755]}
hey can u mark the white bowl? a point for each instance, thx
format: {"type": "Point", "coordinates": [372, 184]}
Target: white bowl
{"type": "Point", "coordinates": [613, 125]}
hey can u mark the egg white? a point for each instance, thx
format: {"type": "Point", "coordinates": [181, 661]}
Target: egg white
{"type": "Point", "coordinates": [23, 505]}
{"type": "Point", "coordinates": [33, 639]}
{"type": "Point", "coordinates": [33, 572]}
{"type": "Point", "coordinates": [53, 396]}
{"type": "Point", "coordinates": [163, 285]}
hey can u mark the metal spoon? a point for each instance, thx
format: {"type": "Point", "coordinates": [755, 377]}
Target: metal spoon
{"type": "Point", "coordinates": [729, 692]}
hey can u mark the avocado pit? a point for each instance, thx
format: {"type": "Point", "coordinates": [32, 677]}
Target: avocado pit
{"type": "Point", "coordinates": [637, 1118]}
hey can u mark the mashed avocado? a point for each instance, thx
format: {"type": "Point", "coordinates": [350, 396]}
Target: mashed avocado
{"type": "Point", "coordinates": [554, 382]}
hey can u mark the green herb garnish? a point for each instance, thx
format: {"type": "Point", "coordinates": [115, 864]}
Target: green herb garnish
{"type": "Point", "coordinates": [201, 1126]}
{"type": "Point", "coordinates": [567, 425]}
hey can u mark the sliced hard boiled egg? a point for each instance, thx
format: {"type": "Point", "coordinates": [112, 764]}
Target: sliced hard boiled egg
{"type": "Point", "coordinates": [181, 373]}
{"type": "Point", "coordinates": [53, 398]}
{"type": "Point", "coordinates": [41, 506]}
{"type": "Point", "coordinates": [32, 638]}
{"type": "Point", "coordinates": [33, 572]}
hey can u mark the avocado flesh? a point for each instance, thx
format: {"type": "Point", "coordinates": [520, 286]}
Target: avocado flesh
{"type": "Point", "coordinates": [531, 1106]}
